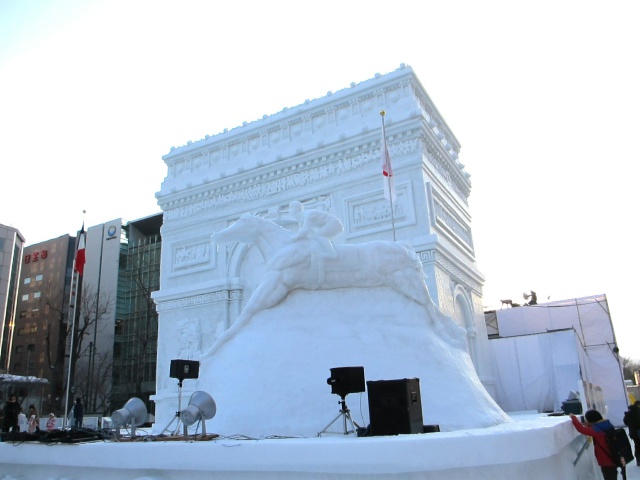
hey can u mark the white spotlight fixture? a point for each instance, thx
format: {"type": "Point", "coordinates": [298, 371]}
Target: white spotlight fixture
{"type": "Point", "coordinates": [201, 407]}
{"type": "Point", "coordinates": [134, 414]}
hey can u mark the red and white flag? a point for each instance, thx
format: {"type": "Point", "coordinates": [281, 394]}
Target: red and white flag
{"type": "Point", "coordinates": [387, 173]}
{"type": "Point", "coordinates": [80, 252]}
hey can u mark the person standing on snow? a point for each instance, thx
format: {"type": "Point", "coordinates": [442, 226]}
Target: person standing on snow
{"type": "Point", "coordinates": [632, 420]}
{"type": "Point", "coordinates": [595, 427]}
{"type": "Point", "coordinates": [78, 413]}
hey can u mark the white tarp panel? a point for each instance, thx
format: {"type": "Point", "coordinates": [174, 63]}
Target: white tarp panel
{"type": "Point", "coordinates": [537, 372]}
{"type": "Point", "coordinates": [590, 318]}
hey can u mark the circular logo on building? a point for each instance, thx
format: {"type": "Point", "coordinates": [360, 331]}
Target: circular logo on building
{"type": "Point", "coordinates": [111, 231]}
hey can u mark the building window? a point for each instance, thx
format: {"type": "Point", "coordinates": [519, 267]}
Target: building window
{"type": "Point", "coordinates": [23, 314]}
{"type": "Point", "coordinates": [37, 294]}
{"type": "Point", "coordinates": [18, 349]}
{"type": "Point", "coordinates": [17, 367]}
{"type": "Point", "coordinates": [31, 347]}
{"type": "Point", "coordinates": [39, 277]}
{"type": "Point", "coordinates": [35, 312]}
{"type": "Point", "coordinates": [27, 280]}
{"type": "Point", "coordinates": [25, 330]}
{"type": "Point", "coordinates": [25, 297]}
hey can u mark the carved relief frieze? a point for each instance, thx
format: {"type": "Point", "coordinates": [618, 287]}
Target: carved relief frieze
{"type": "Point", "coordinates": [445, 297]}
{"type": "Point", "coordinates": [254, 142]}
{"type": "Point", "coordinates": [199, 161]}
{"type": "Point", "coordinates": [371, 212]}
{"type": "Point", "coordinates": [295, 176]}
{"type": "Point", "coordinates": [196, 254]}
{"type": "Point", "coordinates": [451, 222]}
{"type": "Point", "coordinates": [198, 300]}
{"type": "Point", "coordinates": [342, 112]}
{"type": "Point", "coordinates": [189, 339]}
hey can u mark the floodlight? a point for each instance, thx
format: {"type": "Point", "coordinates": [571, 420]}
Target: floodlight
{"type": "Point", "coordinates": [134, 414]}
{"type": "Point", "coordinates": [201, 407]}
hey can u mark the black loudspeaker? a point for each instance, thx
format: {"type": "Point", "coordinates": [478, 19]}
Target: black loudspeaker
{"type": "Point", "coordinates": [346, 380]}
{"type": "Point", "coordinates": [182, 369]}
{"type": "Point", "coordinates": [572, 406]}
{"type": "Point", "coordinates": [395, 406]}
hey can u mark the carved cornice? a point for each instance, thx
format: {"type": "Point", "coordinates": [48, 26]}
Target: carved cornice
{"type": "Point", "coordinates": [451, 173]}
{"type": "Point", "coordinates": [312, 115]}
{"type": "Point", "coordinates": [260, 159]}
{"type": "Point", "coordinates": [326, 119]}
{"type": "Point", "coordinates": [198, 300]}
{"type": "Point", "coordinates": [434, 119]}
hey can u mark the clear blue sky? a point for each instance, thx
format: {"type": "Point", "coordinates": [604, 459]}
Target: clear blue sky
{"type": "Point", "coordinates": [543, 97]}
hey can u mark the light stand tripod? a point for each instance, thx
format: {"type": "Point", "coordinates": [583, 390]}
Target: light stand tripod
{"type": "Point", "coordinates": [345, 413]}
{"type": "Point", "coordinates": [177, 415]}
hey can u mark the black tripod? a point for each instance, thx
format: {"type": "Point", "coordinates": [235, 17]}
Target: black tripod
{"type": "Point", "coordinates": [345, 413]}
{"type": "Point", "coordinates": [177, 415]}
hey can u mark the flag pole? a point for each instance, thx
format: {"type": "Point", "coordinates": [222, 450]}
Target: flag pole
{"type": "Point", "coordinates": [73, 304]}
{"type": "Point", "coordinates": [72, 314]}
{"type": "Point", "coordinates": [387, 172]}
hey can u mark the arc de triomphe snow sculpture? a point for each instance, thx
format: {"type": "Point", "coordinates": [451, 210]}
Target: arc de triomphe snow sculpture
{"type": "Point", "coordinates": [325, 153]}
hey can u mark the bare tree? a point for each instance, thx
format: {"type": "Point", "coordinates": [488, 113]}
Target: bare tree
{"type": "Point", "coordinates": [53, 299]}
{"type": "Point", "coordinates": [89, 310]}
{"type": "Point", "coordinates": [628, 367]}
{"type": "Point", "coordinates": [95, 380]}
{"type": "Point", "coordinates": [93, 307]}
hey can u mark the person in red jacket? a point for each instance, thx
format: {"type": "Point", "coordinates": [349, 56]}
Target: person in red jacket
{"type": "Point", "coordinates": [594, 427]}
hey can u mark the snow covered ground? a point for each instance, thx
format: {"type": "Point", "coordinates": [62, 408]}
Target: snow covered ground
{"type": "Point", "coordinates": [530, 447]}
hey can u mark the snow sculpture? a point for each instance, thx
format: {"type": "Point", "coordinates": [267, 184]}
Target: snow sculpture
{"type": "Point", "coordinates": [308, 260]}
{"type": "Point", "coordinates": [322, 305]}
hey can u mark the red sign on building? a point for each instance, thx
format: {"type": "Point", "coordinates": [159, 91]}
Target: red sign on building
{"type": "Point", "coordinates": [35, 256]}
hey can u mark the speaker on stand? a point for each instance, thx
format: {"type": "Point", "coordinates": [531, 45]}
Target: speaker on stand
{"type": "Point", "coordinates": [343, 381]}
{"type": "Point", "coordinates": [182, 370]}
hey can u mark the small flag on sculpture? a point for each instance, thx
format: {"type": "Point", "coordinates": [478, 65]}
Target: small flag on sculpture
{"type": "Point", "coordinates": [387, 172]}
{"type": "Point", "coordinates": [80, 252]}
